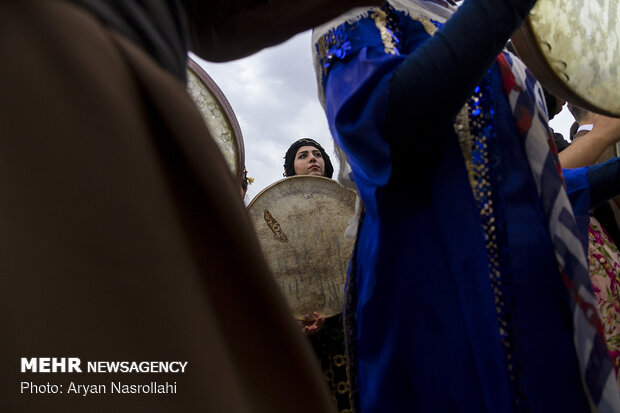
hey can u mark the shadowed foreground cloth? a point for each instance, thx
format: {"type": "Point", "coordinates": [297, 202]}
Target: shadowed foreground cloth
{"type": "Point", "coordinates": [230, 29]}
{"type": "Point", "coordinates": [123, 236]}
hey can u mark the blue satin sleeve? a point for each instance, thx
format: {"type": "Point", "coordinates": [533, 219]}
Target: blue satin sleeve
{"type": "Point", "coordinates": [589, 187]}
{"type": "Point", "coordinates": [356, 95]}
{"type": "Point", "coordinates": [373, 97]}
{"type": "Point", "coordinates": [604, 181]}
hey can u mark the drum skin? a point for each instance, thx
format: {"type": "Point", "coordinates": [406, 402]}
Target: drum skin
{"type": "Point", "coordinates": [573, 49]}
{"type": "Point", "coordinates": [300, 222]}
{"type": "Point", "coordinates": [218, 116]}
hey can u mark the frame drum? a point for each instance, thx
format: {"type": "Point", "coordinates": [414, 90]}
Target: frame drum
{"type": "Point", "coordinates": [300, 222]}
{"type": "Point", "coordinates": [573, 48]}
{"type": "Point", "coordinates": [218, 116]}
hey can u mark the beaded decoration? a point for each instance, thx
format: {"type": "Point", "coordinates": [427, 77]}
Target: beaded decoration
{"type": "Point", "coordinates": [377, 28]}
{"type": "Point", "coordinates": [476, 133]}
{"type": "Point", "coordinates": [383, 23]}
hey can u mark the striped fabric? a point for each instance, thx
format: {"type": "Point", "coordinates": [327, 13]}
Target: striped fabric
{"type": "Point", "coordinates": [527, 104]}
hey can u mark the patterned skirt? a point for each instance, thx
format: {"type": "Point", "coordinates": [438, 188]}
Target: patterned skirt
{"type": "Point", "coordinates": [604, 262]}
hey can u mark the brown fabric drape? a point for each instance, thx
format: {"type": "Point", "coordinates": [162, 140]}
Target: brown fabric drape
{"type": "Point", "coordinates": [229, 29]}
{"type": "Point", "coordinates": [123, 236]}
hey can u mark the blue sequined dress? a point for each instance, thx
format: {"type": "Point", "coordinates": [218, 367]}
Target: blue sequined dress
{"type": "Point", "coordinates": [455, 301]}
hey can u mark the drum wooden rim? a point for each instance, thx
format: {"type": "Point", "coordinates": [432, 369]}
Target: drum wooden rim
{"type": "Point", "coordinates": [228, 112]}
{"type": "Point", "coordinates": [531, 52]}
{"type": "Point", "coordinates": [300, 222]}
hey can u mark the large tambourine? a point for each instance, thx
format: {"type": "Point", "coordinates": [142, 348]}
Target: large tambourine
{"type": "Point", "coordinates": [300, 222]}
{"type": "Point", "coordinates": [573, 48]}
{"type": "Point", "coordinates": [218, 116]}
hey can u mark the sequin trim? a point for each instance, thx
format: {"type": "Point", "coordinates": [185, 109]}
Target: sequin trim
{"type": "Point", "coordinates": [338, 44]}
{"type": "Point", "coordinates": [333, 46]}
{"type": "Point", "coordinates": [385, 26]}
{"type": "Point", "coordinates": [476, 132]}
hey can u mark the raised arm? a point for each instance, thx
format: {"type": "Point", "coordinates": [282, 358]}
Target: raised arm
{"type": "Point", "coordinates": [230, 29]}
{"type": "Point", "coordinates": [447, 67]}
{"type": "Point", "coordinates": [587, 149]}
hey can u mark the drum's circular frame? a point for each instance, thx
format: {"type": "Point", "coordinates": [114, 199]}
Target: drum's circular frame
{"type": "Point", "coordinates": [300, 223]}
{"type": "Point", "coordinates": [231, 124]}
{"type": "Point", "coordinates": [568, 70]}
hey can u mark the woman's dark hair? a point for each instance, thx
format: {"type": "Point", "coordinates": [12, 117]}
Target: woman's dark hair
{"type": "Point", "coordinates": [289, 158]}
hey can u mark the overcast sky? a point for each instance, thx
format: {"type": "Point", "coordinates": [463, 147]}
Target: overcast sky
{"type": "Point", "coordinates": [273, 94]}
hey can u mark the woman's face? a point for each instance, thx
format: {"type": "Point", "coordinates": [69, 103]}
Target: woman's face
{"type": "Point", "coordinates": [309, 161]}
